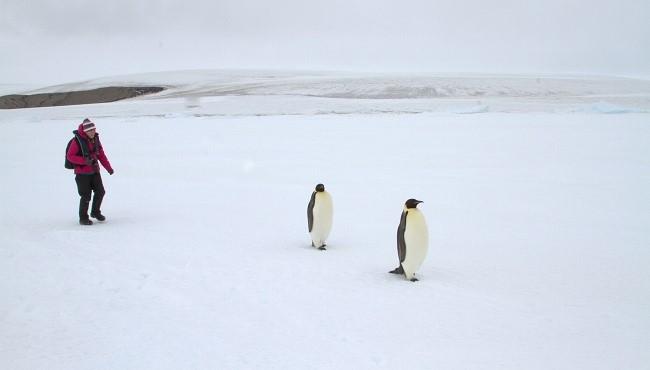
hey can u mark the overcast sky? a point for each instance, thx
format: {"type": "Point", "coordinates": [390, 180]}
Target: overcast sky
{"type": "Point", "coordinates": [55, 41]}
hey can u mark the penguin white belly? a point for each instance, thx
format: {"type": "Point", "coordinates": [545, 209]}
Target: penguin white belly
{"type": "Point", "coordinates": [323, 212]}
{"type": "Point", "coordinates": [416, 238]}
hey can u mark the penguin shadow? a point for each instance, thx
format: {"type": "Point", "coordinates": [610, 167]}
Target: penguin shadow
{"type": "Point", "coordinates": [441, 277]}
{"type": "Point", "coordinates": [396, 274]}
{"type": "Point", "coordinates": [312, 247]}
{"type": "Point", "coordinates": [323, 247]}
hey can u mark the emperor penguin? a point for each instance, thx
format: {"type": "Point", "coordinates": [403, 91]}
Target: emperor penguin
{"type": "Point", "coordinates": [412, 240]}
{"type": "Point", "coordinates": [319, 216]}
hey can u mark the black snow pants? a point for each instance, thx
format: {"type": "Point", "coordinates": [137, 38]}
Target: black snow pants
{"type": "Point", "coordinates": [86, 184]}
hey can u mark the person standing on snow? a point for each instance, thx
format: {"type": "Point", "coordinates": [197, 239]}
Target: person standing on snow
{"type": "Point", "coordinates": [84, 152]}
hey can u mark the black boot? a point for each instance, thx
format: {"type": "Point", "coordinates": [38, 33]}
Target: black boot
{"type": "Point", "coordinates": [83, 211]}
{"type": "Point", "coordinates": [97, 203]}
{"type": "Point", "coordinates": [98, 215]}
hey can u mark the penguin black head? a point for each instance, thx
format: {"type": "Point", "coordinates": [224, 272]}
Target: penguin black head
{"type": "Point", "coordinates": [412, 203]}
{"type": "Point", "coordinates": [320, 187]}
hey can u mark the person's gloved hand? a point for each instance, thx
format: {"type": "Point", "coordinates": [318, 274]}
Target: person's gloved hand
{"type": "Point", "coordinates": [111, 171]}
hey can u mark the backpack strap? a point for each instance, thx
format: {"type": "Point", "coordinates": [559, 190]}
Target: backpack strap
{"type": "Point", "coordinates": [83, 145]}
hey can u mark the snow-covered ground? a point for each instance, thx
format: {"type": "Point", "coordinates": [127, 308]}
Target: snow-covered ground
{"type": "Point", "coordinates": [537, 205]}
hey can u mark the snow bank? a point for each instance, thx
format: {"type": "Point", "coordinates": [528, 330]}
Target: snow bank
{"type": "Point", "coordinates": [438, 93]}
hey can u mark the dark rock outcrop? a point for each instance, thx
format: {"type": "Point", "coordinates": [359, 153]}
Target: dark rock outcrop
{"type": "Point", "coordinates": [100, 95]}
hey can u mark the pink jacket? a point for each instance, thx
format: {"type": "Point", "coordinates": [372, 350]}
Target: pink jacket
{"type": "Point", "coordinates": [80, 166]}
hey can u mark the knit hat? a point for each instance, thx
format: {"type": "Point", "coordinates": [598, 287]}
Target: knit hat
{"type": "Point", "coordinates": [88, 125]}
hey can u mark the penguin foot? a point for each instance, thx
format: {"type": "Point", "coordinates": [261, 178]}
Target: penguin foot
{"type": "Point", "coordinates": [414, 279]}
{"type": "Point", "coordinates": [322, 248]}
{"type": "Point", "coordinates": [398, 270]}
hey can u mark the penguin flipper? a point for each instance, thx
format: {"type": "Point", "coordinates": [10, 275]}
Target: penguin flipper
{"type": "Point", "coordinates": [310, 211]}
{"type": "Point", "coordinates": [401, 243]}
